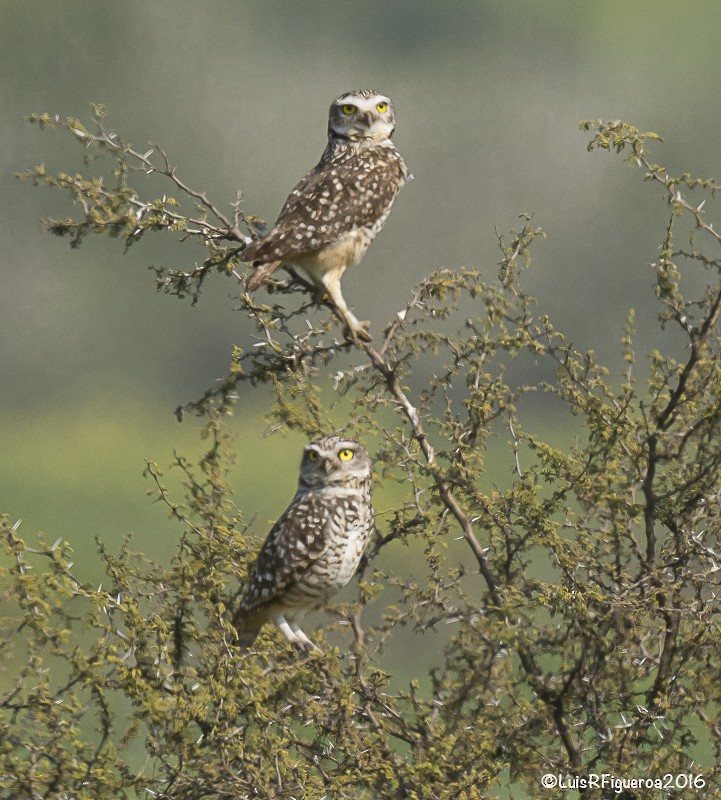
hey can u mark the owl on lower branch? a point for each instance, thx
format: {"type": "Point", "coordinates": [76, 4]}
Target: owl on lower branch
{"type": "Point", "coordinates": [336, 210]}
{"type": "Point", "coordinates": [315, 547]}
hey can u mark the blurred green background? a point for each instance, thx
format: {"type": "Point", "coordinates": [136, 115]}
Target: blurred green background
{"type": "Point", "coordinates": [488, 96]}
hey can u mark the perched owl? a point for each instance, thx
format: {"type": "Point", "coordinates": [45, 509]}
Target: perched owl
{"type": "Point", "coordinates": [315, 547]}
{"type": "Point", "coordinates": [336, 210]}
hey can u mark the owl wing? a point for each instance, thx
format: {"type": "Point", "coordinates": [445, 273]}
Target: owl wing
{"type": "Point", "coordinates": [295, 542]}
{"type": "Point", "coordinates": [333, 198]}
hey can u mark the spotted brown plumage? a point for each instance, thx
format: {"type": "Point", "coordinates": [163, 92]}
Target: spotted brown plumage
{"type": "Point", "coordinates": [315, 547]}
{"type": "Point", "coordinates": [335, 211]}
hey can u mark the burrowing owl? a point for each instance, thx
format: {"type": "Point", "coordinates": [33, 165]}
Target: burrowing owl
{"type": "Point", "coordinates": [336, 210]}
{"type": "Point", "coordinates": [315, 547]}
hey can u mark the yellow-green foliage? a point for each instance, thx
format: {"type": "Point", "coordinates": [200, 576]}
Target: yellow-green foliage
{"type": "Point", "coordinates": [584, 626]}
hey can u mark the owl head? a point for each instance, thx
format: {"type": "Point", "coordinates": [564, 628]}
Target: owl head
{"type": "Point", "coordinates": [334, 460]}
{"type": "Point", "coordinates": [364, 115]}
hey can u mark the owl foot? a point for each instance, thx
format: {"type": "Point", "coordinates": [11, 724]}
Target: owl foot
{"type": "Point", "coordinates": [295, 635]}
{"type": "Point", "coordinates": [355, 329]}
{"type": "Point", "coordinates": [302, 642]}
{"type": "Point", "coordinates": [306, 646]}
{"type": "Point", "coordinates": [360, 331]}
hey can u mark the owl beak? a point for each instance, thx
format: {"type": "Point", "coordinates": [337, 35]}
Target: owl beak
{"type": "Point", "coordinates": [327, 466]}
{"type": "Point", "coordinates": [365, 119]}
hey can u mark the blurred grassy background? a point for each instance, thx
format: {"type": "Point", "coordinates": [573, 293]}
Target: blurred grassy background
{"type": "Point", "coordinates": [488, 96]}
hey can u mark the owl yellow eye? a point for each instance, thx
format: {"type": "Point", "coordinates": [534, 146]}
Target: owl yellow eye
{"type": "Point", "coordinates": [348, 109]}
{"type": "Point", "coordinates": [345, 454]}
{"type": "Point", "coordinates": [382, 107]}
{"type": "Point", "coordinates": [312, 455]}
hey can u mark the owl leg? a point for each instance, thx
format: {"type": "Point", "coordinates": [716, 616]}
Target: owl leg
{"type": "Point", "coordinates": [358, 329]}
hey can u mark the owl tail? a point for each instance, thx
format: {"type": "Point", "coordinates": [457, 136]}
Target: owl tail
{"type": "Point", "coordinates": [246, 630]}
{"type": "Point", "coordinates": [260, 274]}
{"type": "Point", "coordinates": [245, 639]}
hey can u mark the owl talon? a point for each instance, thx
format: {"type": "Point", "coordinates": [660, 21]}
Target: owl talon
{"type": "Point", "coordinates": [361, 332]}
{"type": "Point", "coordinates": [306, 646]}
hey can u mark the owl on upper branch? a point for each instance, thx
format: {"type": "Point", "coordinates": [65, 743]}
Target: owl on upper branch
{"type": "Point", "coordinates": [335, 211]}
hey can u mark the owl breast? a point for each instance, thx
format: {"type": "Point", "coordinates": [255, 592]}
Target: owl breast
{"type": "Point", "coordinates": [347, 533]}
